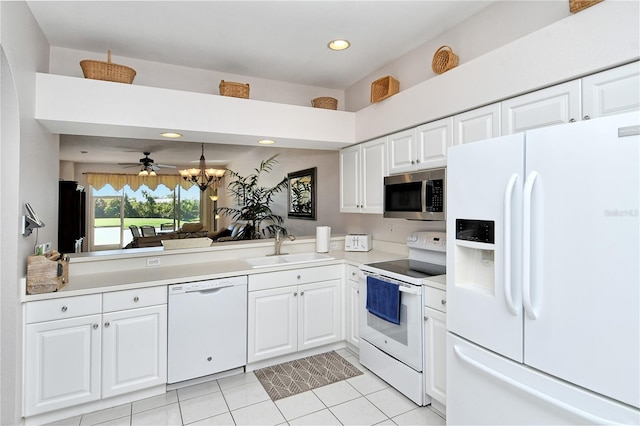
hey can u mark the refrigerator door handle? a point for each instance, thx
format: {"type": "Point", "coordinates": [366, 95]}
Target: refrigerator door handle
{"type": "Point", "coordinates": [526, 246]}
{"type": "Point", "coordinates": [589, 418]}
{"type": "Point", "coordinates": [508, 195]}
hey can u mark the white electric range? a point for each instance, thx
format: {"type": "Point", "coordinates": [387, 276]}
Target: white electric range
{"type": "Point", "coordinates": [394, 351]}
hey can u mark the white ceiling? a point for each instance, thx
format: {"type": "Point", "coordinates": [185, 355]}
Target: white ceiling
{"type": "Point", "coordinates": [278, 40]}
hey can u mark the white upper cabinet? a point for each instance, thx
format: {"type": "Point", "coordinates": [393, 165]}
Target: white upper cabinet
{"type": "Point", "coordinates": [350, 179]}
{"type": "Point", "coordinates": [558, 104]}
{"type": "Point", "coordinates": [402, 151]}
{"type": "Point", "coordinates": [614, 91]}
{"type": "Point", "coordinates": [420, 148]}
{"type": "Point", "coordinates": [476, 125]}
{"type": "Point", "coordinates": [362, 172]}
{"type": "Point", "coordinates": [373, 169]}
{"type": "Point", "coordinates": [433, 139]}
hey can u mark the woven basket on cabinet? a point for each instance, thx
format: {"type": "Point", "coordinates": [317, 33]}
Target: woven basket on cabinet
{"type": "Point", "coordinates": [444, 59]}
{"type": "Point", "coordinates": [325, 102]}
{"type": "Point", "coordinates": [107, 71]}
{"type": "Point", "coordinates": [236, 90]}
{"type": "Point", "coordinates": [384, 87]}
{"type": "Point", "coordinates": [578, 5]}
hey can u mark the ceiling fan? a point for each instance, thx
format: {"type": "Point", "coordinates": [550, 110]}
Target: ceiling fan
{"type": "Point", "coordinates": [147, 166]}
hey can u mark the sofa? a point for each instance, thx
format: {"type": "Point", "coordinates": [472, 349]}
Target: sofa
{"type": "Point", "coordinates": [189, 230]}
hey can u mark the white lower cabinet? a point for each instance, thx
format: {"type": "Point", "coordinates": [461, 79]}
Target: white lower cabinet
{"type": "Point", "coordinates": [75, 352]}
{"type": "Point", "coordinates": [134, 354]}
{"type": "Point", "coordinates": [62, 363]}
{"type": "Point", "coordinates": [435, 339]}
{"type": "Point", "coordinates": [352, 295]}
{"type": "Point", "coordinates": [291, 318]}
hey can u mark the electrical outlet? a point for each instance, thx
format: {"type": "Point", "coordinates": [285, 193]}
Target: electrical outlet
{"type": "Point", "coordinates": [153, 262]}
{"type": "Point", "coordinates": [334, 245]}
{"type": "Point", "coordinates": [47, 247]}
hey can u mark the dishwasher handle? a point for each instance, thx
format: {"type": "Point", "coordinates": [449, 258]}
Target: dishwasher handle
{"type": "Point", "coordinates": [210, 290]}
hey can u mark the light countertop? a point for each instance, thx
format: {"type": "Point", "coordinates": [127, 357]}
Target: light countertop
{"type": "Point", "coordinates": [127, 279]}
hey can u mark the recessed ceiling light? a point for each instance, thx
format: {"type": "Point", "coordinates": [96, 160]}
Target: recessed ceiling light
{"type": "Point", "coordinates": [339, 44]}
{"type": "Point", "coordinates": [171, 135]}
{"type": "Point", "coordinates": [266, 142]}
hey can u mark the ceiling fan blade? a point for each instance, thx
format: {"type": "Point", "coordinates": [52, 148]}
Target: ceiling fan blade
{"type": "Point", "coordinates": [166, 166]}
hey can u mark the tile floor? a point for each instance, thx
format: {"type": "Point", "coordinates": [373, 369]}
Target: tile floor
{"type": "Point", "coordinates": [241, 400]}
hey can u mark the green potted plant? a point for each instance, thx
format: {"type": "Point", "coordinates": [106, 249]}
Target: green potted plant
{"type": "Point", "coordinates": [253, 202]}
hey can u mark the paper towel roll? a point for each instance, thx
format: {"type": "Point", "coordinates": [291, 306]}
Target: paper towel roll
{"type": "Point", "coordinates": [323, 238]}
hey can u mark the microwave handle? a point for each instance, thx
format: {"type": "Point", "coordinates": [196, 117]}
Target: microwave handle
{"type": "Point", "coordinates": [426, 183]}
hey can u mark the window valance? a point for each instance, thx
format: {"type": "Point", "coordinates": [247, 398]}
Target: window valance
{"type": "Point", "coordinates": [119, 180]}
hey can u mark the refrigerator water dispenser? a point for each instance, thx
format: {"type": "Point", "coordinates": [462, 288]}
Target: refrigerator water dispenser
{"type": "Point", "coordinates": [474, 257]}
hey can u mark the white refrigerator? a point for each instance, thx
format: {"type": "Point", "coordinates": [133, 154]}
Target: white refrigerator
{"type": "Point", "coordinates": [543, 276]}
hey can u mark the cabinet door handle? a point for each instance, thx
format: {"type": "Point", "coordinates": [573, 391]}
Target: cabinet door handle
{"type": "Point", "coordinates": [418, 161]}
{"type": "Point", "coordinates": [573, 120]}
{"type": "Point", "coordinates": [136, 299]}
{"type": "Point", "coordinates": [107, 324]}
{"type": "Point", "coordinates": [444, 302]}
{"type": "Point", "coordinates": [426, 318]}
{"type": "Point", "coordinates": [413, 162]}
{"type": "Point", "coordinates": [298, 277]}
{"type": "Point", "coordinates": [64, 309]}
{"type": "Point", "coordinates": [586, 117]}
{"type": "Point", "coordinates": [302, 293]}
{"type": "Point", "coordinates": [295, 294]}
{"type": "Point", "coordinates": [95, 326]}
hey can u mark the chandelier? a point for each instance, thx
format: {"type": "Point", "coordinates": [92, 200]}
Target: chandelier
{"type": "Point", "coordinates": [203, 177]}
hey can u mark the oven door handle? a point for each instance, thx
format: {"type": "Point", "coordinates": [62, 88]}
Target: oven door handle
{"type": "Point", "coordinates": [408, 290]}
{"type": "Point", "coordinates": [404, 288]}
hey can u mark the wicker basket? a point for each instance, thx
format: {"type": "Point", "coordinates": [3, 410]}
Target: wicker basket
{"type": "Point", "coordinates": [444, 59]}
{"type": "Point", "coordinates": [578, 5]}
{"type": "Point", "coordinates": [46, 273]}
{"type": "Point", "coordinates": [98, 70]}
{"type": "Point", "coordinates": [325, 102]}
{"type": "Point", "coordinates": [384, 87]}
{"type": "Point", "coordinates": [237, 90]}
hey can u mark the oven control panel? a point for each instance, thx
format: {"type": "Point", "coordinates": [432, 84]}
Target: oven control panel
{"type": "Point", "coordinates": [428, 240]}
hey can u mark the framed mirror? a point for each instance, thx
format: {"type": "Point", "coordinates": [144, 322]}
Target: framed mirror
{"type": "Point", "coordinates": [302, 194]}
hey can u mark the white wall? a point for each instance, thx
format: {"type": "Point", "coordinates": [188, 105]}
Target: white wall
{"type": "Point", "coordinates": [492, 27]}
{"type": "Point", "coordinates": [292, 160]}
{"type": "Point", "coordinates": [29, 167]}
{"type": "Point", "coordinates": [155, 74]}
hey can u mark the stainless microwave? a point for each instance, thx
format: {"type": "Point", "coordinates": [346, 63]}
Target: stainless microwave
{"type": "Point", "coordinates": [417, 196]}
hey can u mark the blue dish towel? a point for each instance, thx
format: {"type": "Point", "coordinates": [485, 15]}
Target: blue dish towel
{"type": "Point", "coordinates": [383, 299]}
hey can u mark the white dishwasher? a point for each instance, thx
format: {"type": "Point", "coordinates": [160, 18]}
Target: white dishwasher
{"type": "Point", "coordinates": [207, 327]}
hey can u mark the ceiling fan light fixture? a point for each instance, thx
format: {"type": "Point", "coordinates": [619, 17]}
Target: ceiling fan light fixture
{"type": "Point", "coordinates": [171, 135]}
{"type": "Point", "coordinates": [339, 44]}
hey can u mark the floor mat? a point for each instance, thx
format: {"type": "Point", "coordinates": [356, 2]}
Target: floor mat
{"type": "Point", "coordinates": [291, 378]}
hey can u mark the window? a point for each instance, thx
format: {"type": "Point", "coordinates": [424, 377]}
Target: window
{"type": "Point", "coordinates": [163, 208]}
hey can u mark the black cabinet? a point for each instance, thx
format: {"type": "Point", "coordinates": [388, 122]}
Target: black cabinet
{"type": "Point", "coordinates": [71, 216]}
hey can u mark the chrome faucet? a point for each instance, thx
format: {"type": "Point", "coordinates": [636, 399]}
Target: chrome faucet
{"type": "Point", "coordinates": [280, 239]}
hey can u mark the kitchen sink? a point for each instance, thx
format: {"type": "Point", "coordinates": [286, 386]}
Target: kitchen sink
{"type": "Point", "coordinates": [287, 259]}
